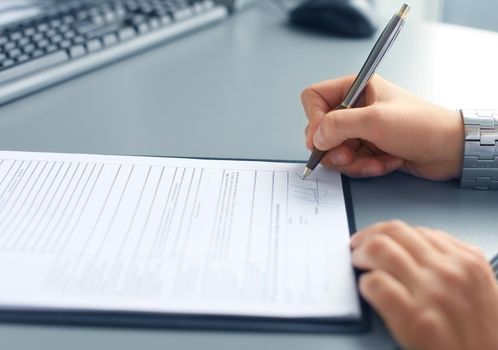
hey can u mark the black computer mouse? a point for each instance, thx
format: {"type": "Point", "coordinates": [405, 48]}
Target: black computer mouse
{"type": "Point", "coordinates": [349, 18]}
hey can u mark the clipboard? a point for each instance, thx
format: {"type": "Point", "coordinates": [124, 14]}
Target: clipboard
{"type": "Point", "coordinates": [160, 320]}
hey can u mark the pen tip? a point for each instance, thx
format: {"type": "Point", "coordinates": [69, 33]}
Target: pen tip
{"type": "Point", "coordinates": [306, 173]}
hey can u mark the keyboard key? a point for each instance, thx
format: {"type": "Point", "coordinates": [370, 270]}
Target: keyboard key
{"type": "Point", "coordinates": [43, 27]}
{"type": "Point", "coordinates": [55, 23]}
{"type": "Point", "coordinates": [208, 4]}
{"type": "Point", "coordinates": [37, 37]}
{"type": "Point", "coordinates": [182, 14]}
{"type": "Point", "coordinates": [15, 36]}
{"type": "Point", "coordinates": [198, 7]}
{"type": "Point", "coordinates": [64, 28]}
{"type": "Point", "coordinates": [77, 51]}
{"type": "Point", "coordinates": [51, 32]}
{"type": "Point", "coordinates": [64, 44]}
{"type": "Point", "coordinates": [82, 15]}
{"type": "Point", "coordinates": [70, 34]}
{"type": "Point", "coordinates": [110, 39]}
{"type": "Point", "coordinates": [43, 43]}
{"type": "Point", "coordinates": [51, 48]}
{"type": "Point", "coordinates": [143, 28]}
{"type": "Point", "coordinates": [126, 33]}
{"type": "Point", "coordinates": [23, 41]}
{"type": "Point", "coordinates": [29, 48]}
{"type": "Point", "coordinates": [109, 17]}
{"type": "Point", "coordinates": [22, 58]}
{"type": "Point", "coordinates": [33, 66]}
{"type": "Point", "coordinates": [6, 64]}
{"type": "Point", "coordinates": [37, 53]}
{"type": "Point", "coordinates": [79, 39]}
{"type": "Point", "coordinates": [29, 31]}
{"type": "Point", "coordinates": [14, 53]}
{"type": "Point", "coordinates": [165, 20]}
{"type": "Point", "coordinates": [154, 23]}
{"type": "Point", "coordinates": [56, 39]}
{"type": "Point", "coordinates": [9, 46]}
{"type": "Point", "coordinates": [99, 20]}
{"type": "Point", "coordinates": [68, 19]}
{"type": "Point", "coordinates": [138, 19]}
{"type": "Point", "coordinates": [94, 45]}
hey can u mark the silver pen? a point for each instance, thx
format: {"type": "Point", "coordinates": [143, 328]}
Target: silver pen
{"type": "Point", "coordinates": [383, 44]}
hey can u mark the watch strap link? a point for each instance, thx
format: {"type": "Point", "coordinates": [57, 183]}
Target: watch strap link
{"type": "Point", "coordinates": [480, 162]}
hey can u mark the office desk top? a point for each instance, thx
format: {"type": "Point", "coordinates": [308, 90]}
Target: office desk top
{"type": "Point", "coordinates": [233, 92]}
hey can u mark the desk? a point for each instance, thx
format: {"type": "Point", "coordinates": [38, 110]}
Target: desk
{"type": "Point", "coordinates": [233, 91]}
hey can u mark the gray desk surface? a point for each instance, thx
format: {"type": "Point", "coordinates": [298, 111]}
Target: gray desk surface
{"type": "Point", "coordinates": [233, 91]}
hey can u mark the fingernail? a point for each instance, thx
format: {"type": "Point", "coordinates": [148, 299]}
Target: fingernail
{"type": "Point", "coordinates": [395, 163]}
{"type": "Point", "coordinates": [339, 158]}
{"type": "Point", "coordinates": [371, 170]}
{"type": "Point", "coordinates": [354, 241]}
{"type": "Point", "coordinates": [357, 257]}
{"type": "Point", "coordinates": [318, 138]}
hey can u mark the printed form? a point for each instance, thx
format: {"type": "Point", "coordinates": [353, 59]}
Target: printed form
{"type": "Point", "coordinates": [93, 232]}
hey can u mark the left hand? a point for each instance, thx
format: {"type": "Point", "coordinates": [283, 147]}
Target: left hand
{"type": "Point", "coordinates": [432, 291]}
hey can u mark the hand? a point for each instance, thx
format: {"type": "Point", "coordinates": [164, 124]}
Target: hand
{"type": "Point", "coordinates": [390, 129]}
{"type": "Point", "coordinates": [432, 291]}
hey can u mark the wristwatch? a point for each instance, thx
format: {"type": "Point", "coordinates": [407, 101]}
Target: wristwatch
{"type": "Point", "coordinates": [480, 162]}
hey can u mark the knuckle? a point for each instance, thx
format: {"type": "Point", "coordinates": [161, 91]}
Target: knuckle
{"type": "Point", "coordinates": [451, 275]}
{"type": "Point", "coordinates": [394, 227]}
{"type": "Point", "coordinates": [436, 292]}
{"type": "Point", "coordinates": [477, 252]}
{"type": "Point", "coordinates": [329, 124]}
{"type": "Point", "coordinates": [371, 282]}
{"type": "Point", "coordinates": [307, 93]}
{"type": "Point", "coordinates": [373, 121]}
{"type": "Point", "coordinates": [375, 114]}
{"type": "Point", "coordinates": [378, 246]}
{"type": "Point", "coordinates": [476, 268]}
{"type": "Point", "coordinates": [352, 173]}
{"type": "Point", "coordinates": [425, 324]}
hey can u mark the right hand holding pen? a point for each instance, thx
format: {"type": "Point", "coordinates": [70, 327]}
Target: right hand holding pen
{"type": "Point", "coordinates": [389, 129]}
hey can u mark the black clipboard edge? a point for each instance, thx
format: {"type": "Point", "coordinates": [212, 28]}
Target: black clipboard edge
{"type": "Point", "coordinates": [348, 198]}
{"type": "Point", "coordinates": [150, 320]}
{"type": "Point", "coordinates": [142, 320]}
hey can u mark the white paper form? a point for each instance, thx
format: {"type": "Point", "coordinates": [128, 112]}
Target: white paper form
{"type": "Point", "coordinates": [173, 235]}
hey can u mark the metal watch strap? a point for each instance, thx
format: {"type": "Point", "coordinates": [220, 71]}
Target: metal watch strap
{"type": "Point", "coordinates": [480, 162]}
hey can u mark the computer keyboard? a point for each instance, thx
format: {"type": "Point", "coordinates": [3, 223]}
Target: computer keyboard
{"type": "Point", "coordinates": [73, 37]}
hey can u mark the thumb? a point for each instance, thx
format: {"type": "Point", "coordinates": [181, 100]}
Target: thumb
{"type": "Point", "coordinates": [340, 125]}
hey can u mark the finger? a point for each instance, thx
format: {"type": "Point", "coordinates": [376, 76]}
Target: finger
{"type": "Point", "coordinates": [320, 98]}
{"type": "Point", "coordinates": [340, 125]}
{"type": "Point", "coordinates": [324, 96]}
{"type": "Point", "coordinates": [310, 129]}
{"type": "Point", "coordinates": [364, 166]}
{"type": "Point", "coordinates": [438, 242]}
{"type": "Point", "coordinates": [381, 252]}
{"type": "Point", "coordinates": [307, 138]}
{"type": "Point", "coordinates": [447, 243]}
{"type": "Point", "coordinates": [390, 299]}
{"type": "Point", "coordinates": [406, 236]}
{"type": "Point", "coordinates": [342, 155]}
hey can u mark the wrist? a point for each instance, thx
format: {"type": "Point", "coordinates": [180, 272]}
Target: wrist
{"type": "Point", "coordinates": [452, 143]}
{"type": "Point", "coordinates": [458, 145]}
